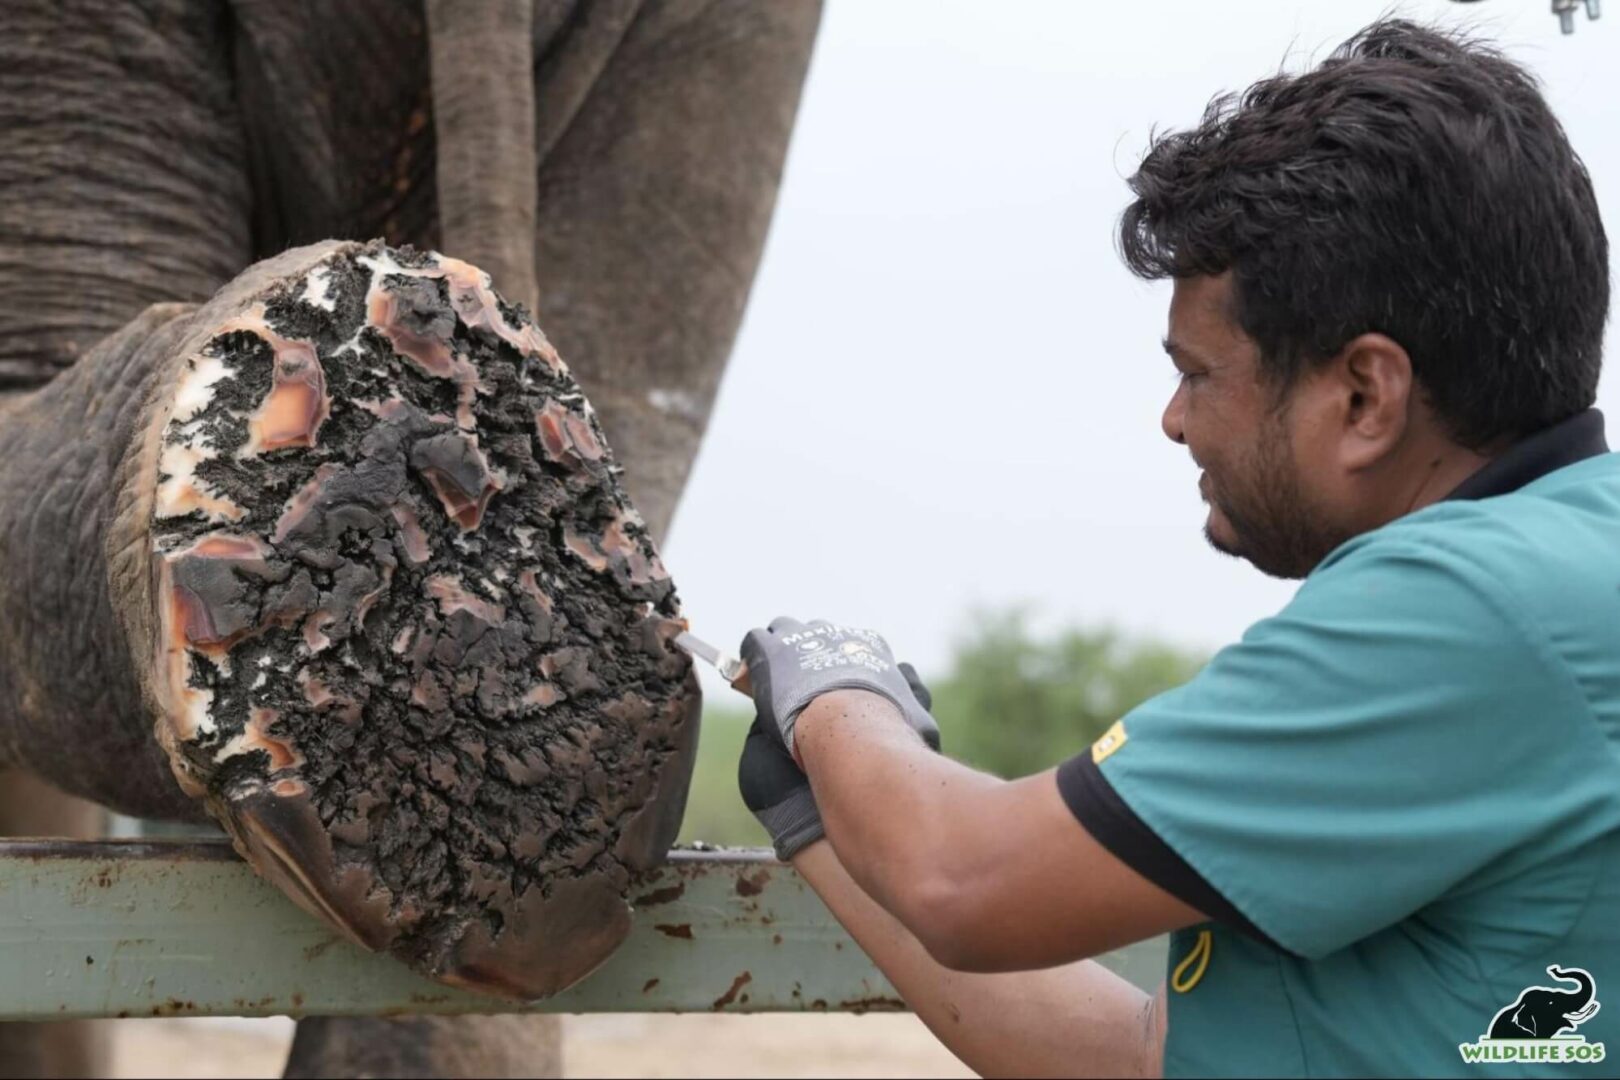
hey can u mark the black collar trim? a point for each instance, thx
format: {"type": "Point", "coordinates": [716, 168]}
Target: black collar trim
{"type": "Point", "coordinates": [1565, 443]}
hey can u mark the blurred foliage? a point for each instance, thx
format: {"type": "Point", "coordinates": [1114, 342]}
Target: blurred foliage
{"type": "Point", "coordinates": [1011, 702]}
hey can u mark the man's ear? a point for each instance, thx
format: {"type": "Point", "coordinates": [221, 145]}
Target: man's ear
{"type": "Point", "coordinates": [1376, 390]}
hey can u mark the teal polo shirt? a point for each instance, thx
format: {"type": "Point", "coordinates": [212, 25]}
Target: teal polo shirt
{"type": "Point", "coordinates": [1399, 799]}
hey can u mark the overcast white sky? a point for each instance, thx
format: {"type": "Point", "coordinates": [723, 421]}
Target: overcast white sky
{"type": "Point", "coordinates": [947, 389]}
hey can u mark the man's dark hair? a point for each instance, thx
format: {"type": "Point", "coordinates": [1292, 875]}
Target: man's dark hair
{"type": "Point", "coordinates": [1414, 184]}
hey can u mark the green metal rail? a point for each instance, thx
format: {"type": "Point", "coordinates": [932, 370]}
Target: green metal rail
{"type": "Point", "coordinates": [170, 928]}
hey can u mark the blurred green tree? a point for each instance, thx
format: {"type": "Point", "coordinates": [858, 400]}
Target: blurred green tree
{"type": "Point", "coordinates": [1014, 703]}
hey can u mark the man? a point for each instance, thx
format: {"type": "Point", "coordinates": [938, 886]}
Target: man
{"type": "Point", "coordinates": [1374, 824]}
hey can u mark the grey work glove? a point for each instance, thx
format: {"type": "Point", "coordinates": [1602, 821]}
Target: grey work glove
{"type": "Point", "coordinates": [779, 794]}
{"type": "Point", "coordinates": [791, 663]}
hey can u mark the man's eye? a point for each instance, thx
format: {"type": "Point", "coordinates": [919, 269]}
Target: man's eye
{"type": "Point", "coordinates": [1189, 376]}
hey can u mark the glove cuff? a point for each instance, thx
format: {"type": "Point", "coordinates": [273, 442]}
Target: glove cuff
{"type": "Point", "coordinates": [847, 683]}
{"type": "Point", "coordinates": [794, 823]}
{"type": "Point", "coordinates": [929, 732]}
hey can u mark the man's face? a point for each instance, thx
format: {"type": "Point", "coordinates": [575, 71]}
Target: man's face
{"type": "Point", "coordinates": [1263, 505]}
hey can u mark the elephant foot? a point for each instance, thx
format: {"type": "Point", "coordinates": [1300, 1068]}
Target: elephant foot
{"type": "Point", "coordinates": [406, 637]}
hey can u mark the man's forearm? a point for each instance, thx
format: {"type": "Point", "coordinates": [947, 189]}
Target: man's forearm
{"type": "Point", "coordinates": [989, 874]}
{"type": "Point", "coordinates": [898, 814]}
{"type": "Point", "coordinates": [1075, 1020]}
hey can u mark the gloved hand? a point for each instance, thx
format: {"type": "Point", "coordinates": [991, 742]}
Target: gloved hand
{"type": "Point", "coordinates": [791, 663]}
{"type": "Point", "coordinates": [779, 794]}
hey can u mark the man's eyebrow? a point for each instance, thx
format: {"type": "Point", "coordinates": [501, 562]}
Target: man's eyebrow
{"type": "Point", "coordinates": [1184, 354]}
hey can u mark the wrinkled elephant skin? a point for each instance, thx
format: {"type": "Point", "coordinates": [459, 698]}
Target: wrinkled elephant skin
{"type": "Point", "coordinates": [156, 149]}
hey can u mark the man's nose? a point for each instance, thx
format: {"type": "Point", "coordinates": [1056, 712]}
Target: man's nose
{"type": "Point", "coordinates": [1174, 415]}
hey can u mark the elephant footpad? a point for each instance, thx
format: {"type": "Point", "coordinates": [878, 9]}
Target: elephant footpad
{"type": "Point", "coordinates": [414, 642]}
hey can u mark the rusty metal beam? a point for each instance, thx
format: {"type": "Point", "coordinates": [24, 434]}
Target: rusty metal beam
{"type": "Point", "coordinates": [165, 928]}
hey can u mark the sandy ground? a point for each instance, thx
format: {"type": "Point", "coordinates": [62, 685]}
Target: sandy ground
{"type": "Point", "coordinates": [600, 1045]}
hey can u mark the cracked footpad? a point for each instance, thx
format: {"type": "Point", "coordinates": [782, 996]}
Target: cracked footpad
{"type": "Point", "coordinates": [415, 642]}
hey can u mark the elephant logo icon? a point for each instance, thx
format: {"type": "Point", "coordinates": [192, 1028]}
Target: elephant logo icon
{"type": "Point", "coordinates": [1541, 1012]}
{"type": "Point", "coordinates": [1539, 1026]}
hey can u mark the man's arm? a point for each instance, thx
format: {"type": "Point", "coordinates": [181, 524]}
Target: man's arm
{"type": "Point", "coordinates": [1076, 1020]}
{"type": "Point", "coordinates": [989, 875]}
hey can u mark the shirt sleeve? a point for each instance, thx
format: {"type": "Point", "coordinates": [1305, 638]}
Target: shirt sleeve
{"type": "Point", "coordinates": [1398, 731]}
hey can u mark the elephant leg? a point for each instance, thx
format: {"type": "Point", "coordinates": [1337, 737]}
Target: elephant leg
{"type": "Point", "coordinates": [63, 1048]}
{"type": "Point", "coordinates": [661, 129]}
{"type": "Point", "coordinates": [71, 709]}
{"type": "Point", "coordinates": [124, 187]}
{"type": "Point", "coordinates": [483, 117]}
{"type": "Point", "coordinates": [426, 1046]}
{"type": "Point", "coordinates": [349, 540]}
{"type": "Point", "coordinates": [122, 172]}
